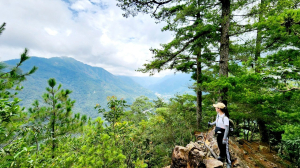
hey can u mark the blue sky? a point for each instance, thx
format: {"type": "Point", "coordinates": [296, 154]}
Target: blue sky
{"type": "Point", "coordinates": [91, 31]}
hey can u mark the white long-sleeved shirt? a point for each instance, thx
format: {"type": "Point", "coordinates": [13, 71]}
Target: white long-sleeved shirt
{"type": "Point", "coordinates": [219, 121]}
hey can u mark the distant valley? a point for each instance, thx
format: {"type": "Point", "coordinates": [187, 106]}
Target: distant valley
{"type": "Point", "coordinates": [168, 85]}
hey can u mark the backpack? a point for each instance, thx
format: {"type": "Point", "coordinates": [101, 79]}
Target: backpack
{"type": "Point", "coordinates": [231, 126]}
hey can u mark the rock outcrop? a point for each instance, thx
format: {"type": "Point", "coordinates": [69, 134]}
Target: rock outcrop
{"type": "Point", "coordinates": [244, 154]}
{"type": "Point", "coordinates": [200, 154]}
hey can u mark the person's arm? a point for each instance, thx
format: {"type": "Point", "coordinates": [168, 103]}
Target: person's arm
{"type": "Point", "coordinates": [212, 123]}
{"type": "Point", "coordinates": [225, 138]}
{"type": "Point", "coordinates": [226, 122]}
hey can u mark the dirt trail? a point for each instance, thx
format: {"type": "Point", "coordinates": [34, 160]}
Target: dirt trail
{"type": "Point", "coordinates": [254, 155]}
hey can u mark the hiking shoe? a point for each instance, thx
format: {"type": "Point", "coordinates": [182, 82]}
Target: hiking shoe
{"type": "Point", "coordinates": [221, 159]}
{"type": "Point", "coordinates": [228, 165]}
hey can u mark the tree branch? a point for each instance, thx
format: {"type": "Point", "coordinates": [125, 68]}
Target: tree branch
{"type": "Point", "coordinates": [293, 88]}
{"type": "Point", "coordinates": [238, 33]}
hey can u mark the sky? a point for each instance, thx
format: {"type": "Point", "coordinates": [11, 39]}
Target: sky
{"type": "Point", "coordinates": [91, 31]}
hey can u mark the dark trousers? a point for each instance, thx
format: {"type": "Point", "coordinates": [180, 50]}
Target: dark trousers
{"type": "Point", "coordinates": [224, 148]}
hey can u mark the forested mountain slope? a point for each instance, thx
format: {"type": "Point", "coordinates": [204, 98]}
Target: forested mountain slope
{"type": "Point", "coordinates": [90, 85]}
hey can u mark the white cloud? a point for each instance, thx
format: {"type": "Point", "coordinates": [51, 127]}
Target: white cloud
{"type": "Point", "coordinates": [82, 5]}
{"type": "Point", "coordinates": [68, 32]}
{"type": "Point", "coordinates": [91, 31]}
{"type": "Point", "coordinates": [50, 31]}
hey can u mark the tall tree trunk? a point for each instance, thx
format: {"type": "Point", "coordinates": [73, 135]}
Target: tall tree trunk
{"type": "Point", "coordinates": [257, 50]}
{"type": "Point", "coordinates": [199, 80]}
{"type": "Point", "coordinates": [53, 134]}
{"type": "Point", "coordinates": [224, 47]}
{"type": "Point", "coordinates": [252, 130]}
{"type": "Point", "coordinates": [261, 124]}
{"type": "Point", "coordinates": [53, 124]}
{"type": "Point", "coordinates": [263, 132]}
{"type": "Point", "coordinates": [248, 123]}
{"type": "Point", "coordinates": [198, 91]}
{"type": "Point", "coordinates": [244, 132]}
{"type": "Point", "coordinates": [258, 39]}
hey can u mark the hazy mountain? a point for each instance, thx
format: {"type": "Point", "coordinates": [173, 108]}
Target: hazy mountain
{"type": "Point", "coordinates": [90, 85]}
{"type": "Point", "coordinates": [168, 85]}
{"type": "Point", "coordinates": [147, 81]}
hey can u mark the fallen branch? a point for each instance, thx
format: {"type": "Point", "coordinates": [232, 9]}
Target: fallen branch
{"type": "Point", "coordinates": [211, 151]}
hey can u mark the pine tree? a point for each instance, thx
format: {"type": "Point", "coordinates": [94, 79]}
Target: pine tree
{"type": "Point", "coordinates": [194, 31]}
{"type": "Point", "coordinates": [55, 120]}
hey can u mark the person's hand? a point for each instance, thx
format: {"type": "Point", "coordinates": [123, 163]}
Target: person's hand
{"type": "Point", "coordinates": [209, 123]}
{"type": "Point", "coordinates": [225, 140]}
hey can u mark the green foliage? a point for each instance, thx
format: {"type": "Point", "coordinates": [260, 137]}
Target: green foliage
{"type": "Point", "coordinates": [17, 154]}
{"type": "Point", "coordinates": [141, 105]}
{"type": "Point", "coordinates": [159, 102]}
{"type": "Point", "coordinates": [153, 139]}
{"type": "Point", "coordinates": [11, 119]}
{"type": "Point", "coordinates": [116, 109]}
{"type": "Point", "coordinates": [180, 119]}
{"type": "Point", "coordinates": [94, 148]}
{"type": "Point", "coordinates": [290, 150]}
{"type": "Point", "coordinates": [141, 109]}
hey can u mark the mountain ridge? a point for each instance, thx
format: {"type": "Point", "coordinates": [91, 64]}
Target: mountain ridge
{"type": "Point", "coordinates": [90, 85]}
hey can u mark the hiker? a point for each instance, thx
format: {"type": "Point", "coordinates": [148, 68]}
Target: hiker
{"type": "Point", "coordinates": [221, 131]}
